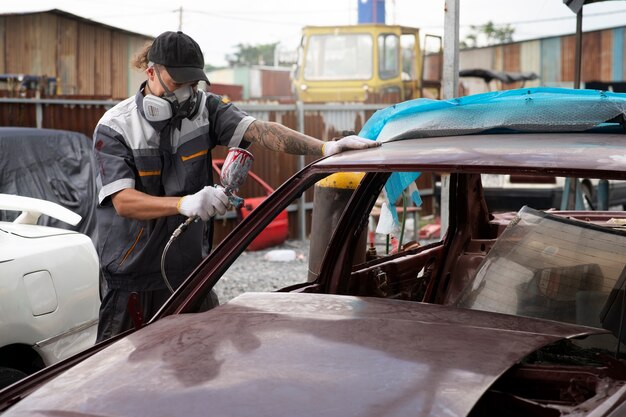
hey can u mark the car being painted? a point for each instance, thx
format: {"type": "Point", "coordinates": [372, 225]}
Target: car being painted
{"type": "Point", "coordinates": [302, 354]}
{"type": "Point", "coordinates": [49, 295]}
{"type": "Point", "coordinates": [515, 314]}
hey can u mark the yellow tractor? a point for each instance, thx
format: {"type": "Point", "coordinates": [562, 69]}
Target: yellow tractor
{"type": "Point", "coordinates": [373, 63]}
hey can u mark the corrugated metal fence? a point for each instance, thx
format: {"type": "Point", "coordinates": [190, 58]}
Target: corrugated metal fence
{"type": "Point", "coordinates": [552, 58]}
{"type": "Point", "coordinates": [323, 121]}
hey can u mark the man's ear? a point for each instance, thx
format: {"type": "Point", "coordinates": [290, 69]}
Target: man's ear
{"type": "Point", "coordinates": [151, 73]}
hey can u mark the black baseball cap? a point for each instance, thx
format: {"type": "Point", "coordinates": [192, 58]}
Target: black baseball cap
{"type": "Point", "coordinates": [180, 55]}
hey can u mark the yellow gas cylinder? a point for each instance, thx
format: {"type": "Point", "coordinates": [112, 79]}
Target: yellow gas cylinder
{"type": "Point", "coordinates": [330, 197]}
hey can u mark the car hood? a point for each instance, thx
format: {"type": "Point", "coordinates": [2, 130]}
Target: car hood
{"type": "Point", "coordinates": [269, 354]}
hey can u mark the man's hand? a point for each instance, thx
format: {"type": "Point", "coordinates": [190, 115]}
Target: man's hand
{"type": "Point", "coordinates": [205, 203]}
{"type": "Point", "coordinates": [348, 143]}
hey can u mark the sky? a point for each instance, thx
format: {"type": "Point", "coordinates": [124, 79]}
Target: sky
{"type": "Point", "coordinates": [218, 26]}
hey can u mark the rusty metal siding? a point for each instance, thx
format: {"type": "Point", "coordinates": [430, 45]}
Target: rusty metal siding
{"type": "Point", "coordinates": [16, 42]}
{"type": "Point", "coordinates": [617, 69]}
{"type": "Point", "coordinates": [2, 45]}
{"type": "Point", "coordinates": [476, 58]}
{"type": "Point", "coordinates": [511, 63]}
{"type": "Point", "coordinates": [68, 47]}
{"type": "Point", "coordinates": [119, 65]}
{"type": "Point", "coordinates": [511, 57]}
{"type": "Point", "coordinates": [86, 59]}
{"type": "Point", "coordinates": [21, 115]}
{"type": "Point", "coordinates": [230, 91]}
{"type": "Point", "coordinates": [498, 61]}
{"type": "Point", "coordinates": [30, 44]}
{"type": "Point", "coordinates": [135, 76]}
{"type": "Point", "coordinates": [606, 55]}
{"type": "Point", "coordinates": [550, 72]}
{"type": "Point", "coordinates": [568, 51]}
{"type": "Point", "coordinates": [78, 118]}
{"type": "Point", "coordinates": [102, 62]}
{"type": "Point", "coordinates": [603, 59]}
{"type": "Point", "coordinates": [45, 51]}
{"type": "Point", "coordinates": [530, 60]}
{"type": "Point", "coordinates": [276, 84]}
{"type": "Point", "coordinates": [432, 66]}
{"type": "Point", "coordinates": [591, 57]}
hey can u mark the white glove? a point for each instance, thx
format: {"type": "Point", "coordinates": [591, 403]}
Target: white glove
{"type": "Point", "coordinates": [205, 203]}
{"type": "Point", "coordinates": [348, 143]}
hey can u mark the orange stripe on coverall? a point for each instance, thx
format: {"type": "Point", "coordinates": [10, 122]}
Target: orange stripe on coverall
{"type": "Point", "coordinates": [149, 173]}
{"type": "Point", "coordinates": [194, 155]}
{"type": "Point", "coordinates": [132, 247]}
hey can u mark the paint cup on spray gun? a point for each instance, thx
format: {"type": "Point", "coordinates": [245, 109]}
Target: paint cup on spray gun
{"type": "Point", "coordinates": [234, 173]}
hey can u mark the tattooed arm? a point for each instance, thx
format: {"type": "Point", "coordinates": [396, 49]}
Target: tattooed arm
{"type": "Point", "coordinates": [277, 137]}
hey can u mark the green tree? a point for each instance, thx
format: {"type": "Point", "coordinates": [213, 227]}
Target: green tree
{"type": "Point", "coordinates": [488, 34]}
{"type": "Point", "coordinates": [210, 67]}
{"type": "Point", "coordinates": [261, 54]}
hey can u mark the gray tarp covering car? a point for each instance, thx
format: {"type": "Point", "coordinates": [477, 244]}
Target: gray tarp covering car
{"type": "Point", "coordinates": [52, 165]}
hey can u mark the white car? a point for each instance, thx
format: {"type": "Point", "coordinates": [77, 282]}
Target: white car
{"type": "Point", "coordinates": [49, 291]}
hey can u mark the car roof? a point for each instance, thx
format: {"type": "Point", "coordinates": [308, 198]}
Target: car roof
{"type": "Point", "coordinates": [601, 155]}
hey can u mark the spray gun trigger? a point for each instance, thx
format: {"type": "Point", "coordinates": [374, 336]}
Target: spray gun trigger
{"type": "Point", "coordinates": [235, 201]}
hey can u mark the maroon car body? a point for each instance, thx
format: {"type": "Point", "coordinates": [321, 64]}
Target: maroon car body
{"type": "Point", "coordinates": [392, 335]}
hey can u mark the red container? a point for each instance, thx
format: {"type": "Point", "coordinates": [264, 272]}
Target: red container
{"type": "Point", "coordinates": [274, 234]}
{"type": "Point", "coordinates": [277, 231]}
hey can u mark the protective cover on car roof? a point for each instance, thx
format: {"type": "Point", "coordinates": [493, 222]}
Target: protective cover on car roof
{"type": "Point", "coordinates": [523, 110]}
{"type": "Point", "coordinates": [540, 109]}
{"type": "Point", "coordinates": [52, 165]}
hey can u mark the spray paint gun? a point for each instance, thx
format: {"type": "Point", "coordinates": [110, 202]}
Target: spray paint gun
{"type": "Point", "coordinates": [234, 172]}
{"type": "Point", "coordinates": [232, 176]}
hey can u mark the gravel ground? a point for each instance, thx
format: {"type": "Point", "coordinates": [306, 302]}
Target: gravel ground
{"type": "Point", "coordinates": [253, 272]}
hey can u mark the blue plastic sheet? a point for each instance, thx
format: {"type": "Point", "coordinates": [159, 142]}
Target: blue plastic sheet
{"type": "Point", "coordinates": [539, 109]}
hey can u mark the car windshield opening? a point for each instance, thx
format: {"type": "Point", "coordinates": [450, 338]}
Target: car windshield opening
{"type": "Point", "coordinates": [551, 267]}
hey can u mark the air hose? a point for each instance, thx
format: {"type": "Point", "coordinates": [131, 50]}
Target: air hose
{"type": "Point", "coordinates": [179, 230]}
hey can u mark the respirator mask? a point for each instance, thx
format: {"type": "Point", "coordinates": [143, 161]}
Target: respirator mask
{"type": "Point", "coordinates": [178, 104]}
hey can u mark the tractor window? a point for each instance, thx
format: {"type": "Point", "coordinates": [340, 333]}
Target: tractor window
{"type": "Point", "coordinates": [409, 60]}
{"type": "Point", "coordinates": [388, 56]}
{"type": "Point", "coordinates": [339, 57]}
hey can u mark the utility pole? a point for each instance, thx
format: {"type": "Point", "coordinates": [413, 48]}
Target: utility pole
{"type": "Point", "coordinates": [451, 49]}
{"type": "Point", "coordinates": [180, 18]}
{"type": "Point", "coordinates": [450, 82]}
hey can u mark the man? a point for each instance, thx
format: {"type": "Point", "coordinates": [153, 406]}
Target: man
{"type": "Point", "coordinates": [153, 154]}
